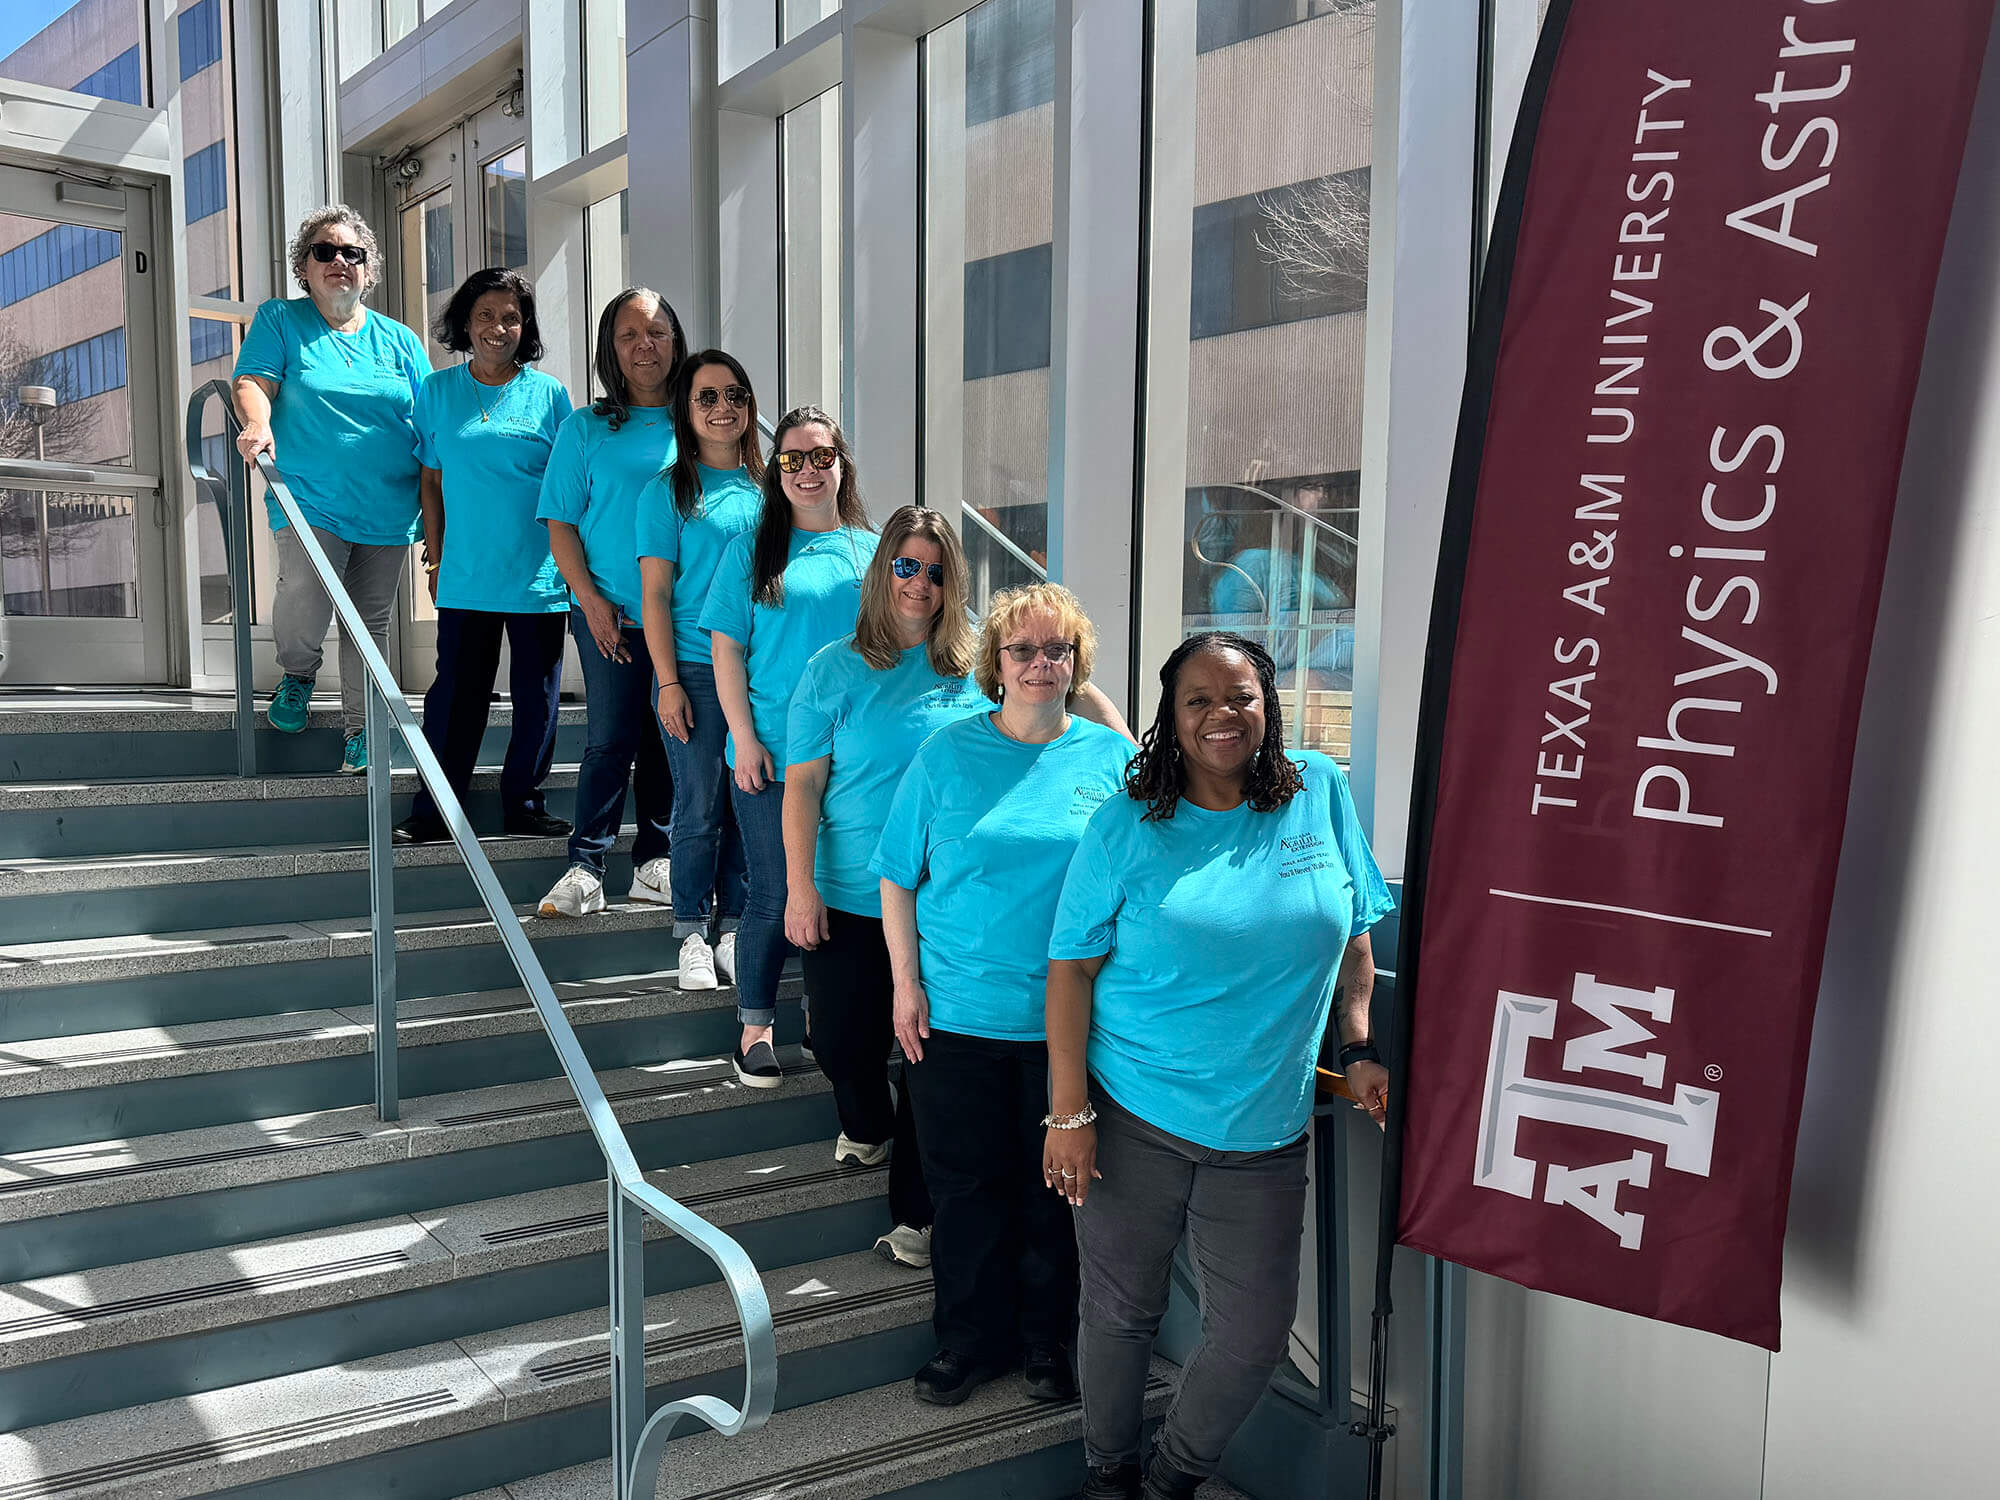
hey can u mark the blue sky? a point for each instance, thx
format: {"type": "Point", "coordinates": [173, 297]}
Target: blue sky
{"type": "Point", "coordinates": [21, 19]}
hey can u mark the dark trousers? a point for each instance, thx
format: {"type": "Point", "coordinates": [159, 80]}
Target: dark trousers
{"type": "Point", "coordinates": [1243, 1213]}
{"type": "Point", "coordinates": [621, 743]}
{"type": "Point", "coordinates": [1003, 1249]}
{"type": "Point", "coordinates": [461, 696]}
{"type": "Point", "coordinates": [852, 993]}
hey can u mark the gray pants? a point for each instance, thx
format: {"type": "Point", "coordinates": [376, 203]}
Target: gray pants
{"type": "Point", "coordinates": [302, 611]}
{"type": "Point", "coordinates": [1244, 1213]}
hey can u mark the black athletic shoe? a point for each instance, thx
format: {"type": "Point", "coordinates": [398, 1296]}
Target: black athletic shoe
{"type": "Point", "coordinates": [950, 1377]}
{"type": "Point", "coordinates": [758, 1068]}
{"type": "Point", "coordinates": [1111, 1482]}
{"type": "Point", "coordinates": [1165, 1482]}
{"type": "Point", "coordinates": [416, 831]}
{"type": "Point", "coordinates": [1046, 1373]}
{"type": "Point", "coordinates": [536, 825]}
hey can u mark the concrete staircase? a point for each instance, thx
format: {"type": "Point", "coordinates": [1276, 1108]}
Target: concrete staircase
{"type": "Point", "coordinates": [220, 1273]}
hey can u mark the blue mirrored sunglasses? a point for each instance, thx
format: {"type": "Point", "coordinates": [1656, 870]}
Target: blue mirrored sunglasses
{"type": "Point", "coordinates": [908, 567]}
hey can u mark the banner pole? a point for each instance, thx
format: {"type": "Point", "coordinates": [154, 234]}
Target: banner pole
{"type": "Point", "coordinates": [1454, 546]}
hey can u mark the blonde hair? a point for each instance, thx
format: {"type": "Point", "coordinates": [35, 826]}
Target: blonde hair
{"type": "Point", "coordinates": [949, 639]}
{"type": "Point", "coordinates": [1010, 607]}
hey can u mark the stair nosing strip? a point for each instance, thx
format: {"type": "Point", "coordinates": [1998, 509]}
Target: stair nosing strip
{"type": "Point", "coordinates": [178, 1296]}
{"type": "Point", "coordinates": [733, 1194]}
{"type": "Point", "coordinates": [202, 1159]}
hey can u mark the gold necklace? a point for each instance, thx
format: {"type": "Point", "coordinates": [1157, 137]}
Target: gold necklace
{"type": "Point", "coordinates": [477, 384]}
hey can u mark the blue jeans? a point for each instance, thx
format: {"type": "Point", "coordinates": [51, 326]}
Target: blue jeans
{"type": "Point", "coordinates": [456, 707]}
{"type": "Point", "coordinates": [761, 946]}
{"type": "Point", "coordinates": [622, 742]}
{"type": "Point", "coordinates": [708, 850]}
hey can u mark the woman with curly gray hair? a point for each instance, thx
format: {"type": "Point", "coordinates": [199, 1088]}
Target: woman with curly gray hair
{"type": "Point", "coordinates": [328, 389]}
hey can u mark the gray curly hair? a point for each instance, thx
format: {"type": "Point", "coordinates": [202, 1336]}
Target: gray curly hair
{"type": "Point", "coordinates": [321, 218]}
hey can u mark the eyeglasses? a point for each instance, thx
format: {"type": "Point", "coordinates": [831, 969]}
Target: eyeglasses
{"type": "Point", "coordinates": [1057, 652]}
{"type": "Point", "coordinates": [909, 567]}
{"type": "Point", "coordinates": [326, 254]}
{"type": "Point", "coordinates": [735, 395]}
{"type": "Point", "coordinates": [794, 459]}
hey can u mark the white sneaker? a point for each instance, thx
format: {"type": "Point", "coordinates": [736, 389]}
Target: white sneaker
{"type": "Point", "coordinates": [649, 883]}
{"type": "Point", "coordinates": [848, 1153]}
{"type": "Point", "coordinates": [577, 894]}
{"type": "Point", "coordinates": [696, 969]}
{"type": "Point", "coordinates": [725, 957]}
{"type": "Point", "coordinates": [906, 1246]}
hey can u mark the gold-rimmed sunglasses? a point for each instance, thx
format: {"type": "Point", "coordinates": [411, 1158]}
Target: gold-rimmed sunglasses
{"type": "Point", "coordinates": [794, 459]}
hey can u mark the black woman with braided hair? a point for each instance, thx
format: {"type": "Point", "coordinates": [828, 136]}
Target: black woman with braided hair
{"type": "Point", "coordinates": [1207, 919]}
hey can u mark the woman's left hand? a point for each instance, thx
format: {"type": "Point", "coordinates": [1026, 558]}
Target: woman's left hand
{"type": "Point", "coordinates": [1069, 1162]}
{"type": "Point", "coordinates": [1369, 1082]}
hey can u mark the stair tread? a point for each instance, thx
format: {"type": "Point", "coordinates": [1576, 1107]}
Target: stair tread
{"type": "Point", "coordinates": [853, 1447]}
{"type": "Point", "coordinates": [51, 1317]}
{"type": "Point", "coordinates": [116, 872]}
{"type": "Point", "coordinates": [26, 796]}
{"type": "Point", "coordinates": [214, 1440]}
{"type": "Point", "coordinates": [134, 713]}
{"type": "Point", "coordinates": [62, 1179]}
{"type": "Point", "coordinates": [85, 960]}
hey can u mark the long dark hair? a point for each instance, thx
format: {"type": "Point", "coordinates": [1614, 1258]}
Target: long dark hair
{"type": "Point", "coordinates": [453, 327]}
{"type": "Point", "coordinates": [684, 474]}
{"type": "Point", "coordinates": [616, 402]}
{"type": "Point", "coordinates": [773, 547]}
{"type": "Point", "coordinates": [1156, 775]}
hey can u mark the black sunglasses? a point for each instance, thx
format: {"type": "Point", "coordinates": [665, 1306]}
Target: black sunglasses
{"type": "Point", "coordinates": [326, 254]}
{"type": "Point", "coordinates": [909, 567]}
{"type": "Point", "coordinates": [794, 459]}
{"type": "Point", "coordinates": [735, 395]}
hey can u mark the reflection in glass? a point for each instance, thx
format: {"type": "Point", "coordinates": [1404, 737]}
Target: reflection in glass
{"type": "Point", "coordinates": [608, 265]}
{"type": "Point", "coordinates": [94, 47]}
{"type": "Point", "coordinates": [68, 554]}
{"type": "Point", "coordinates": [989, 153]}
{"type": "Point", "coordinates": [1277, 316]}
{"type": "Point", "coordinates": [428, 275]}
{"type": "Point", "coordinates": [503, 185]}
{"type": "Point", "coordinates": [810, 176]}
{"type": "Point", "coordinates": [603, 72]}
{"type": "Point", "coordinates": [63, 395]}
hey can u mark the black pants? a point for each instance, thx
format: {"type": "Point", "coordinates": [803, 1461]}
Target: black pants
{"type": "Point", "coordinates": [1003, 1250]}
{"type": "Point", "coordinates": [852, 990]}
{"type": "Point", "coordinates": [461, 697]}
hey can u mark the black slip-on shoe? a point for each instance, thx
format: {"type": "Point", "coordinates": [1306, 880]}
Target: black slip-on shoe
{"type": "Point", "coordinates": [1111, 1482]}
{"type": "Point", "coordinates": [536, 825]}
{"type": "Point", "coordinates": [414, 831]}
{"type": "Point", "coordinates": [758, 1068]}
{"type": "Point", "coordinates": [1165, 1482]}
{"type": "Point", "coordinates": [1046, 1373]}
{"type": "Point", "coordinates": [950, 1377]}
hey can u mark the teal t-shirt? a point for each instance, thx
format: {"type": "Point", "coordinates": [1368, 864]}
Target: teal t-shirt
{"type": "Point", "coordinates": [491, 444]}
{"type": "Point", "coordinates": [342, 418]}
{"type": "Point", "coordinates": [822, 596]}
{"type": "Point", "coordinates": [871, 723]}
{"type": "Point", "coordinates": [982, 828]}
{"type": "Point", "coordinates": [593, 482]}
{"type": "Point", "coordinates": [1225, 931]}
{"type": "Point", "coordinates": [730, 505]}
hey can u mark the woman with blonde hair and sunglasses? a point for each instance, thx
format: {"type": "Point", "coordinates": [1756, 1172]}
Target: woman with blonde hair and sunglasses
{"type": "Point", "coordinates": [971, 859]}
{"type": "Point", "coordinates": [782, 591]}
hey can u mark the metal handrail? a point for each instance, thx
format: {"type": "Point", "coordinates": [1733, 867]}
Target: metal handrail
{"type": "Point", "coordinates": [1298, 510]}
{"type": "Point", "coordinates": [637, 1443]}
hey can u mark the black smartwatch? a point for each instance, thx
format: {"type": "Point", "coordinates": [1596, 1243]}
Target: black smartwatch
{"type": "Point", "coordinates": [1354, 1052]}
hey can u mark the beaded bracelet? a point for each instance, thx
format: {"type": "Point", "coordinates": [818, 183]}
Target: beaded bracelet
{"type": "Point", "coordinates": [1085, 1116]}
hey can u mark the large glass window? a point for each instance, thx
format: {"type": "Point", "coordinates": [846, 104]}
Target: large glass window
{"type": "Point", "coordinates": [1277, 317]}
{"type": "Point", "coordinates": [795, 16]}
{"type": "Point", "coordinates": [68, 554]}
{"type": "Point", "coordinates": [427, 263]}
{"type": "Point", "coordinates": [989, 154]}
{"type": "Point", "coordinates": [607, 233]}
{"type": "Point", "coordinates": [810, 171]}
{"type": "Point", "coordinates": [503, 189]}
{"type": "Point", "coordinates": [63, 393]}
{"type": "Point", "coordinates": [95, 47]}
{"type": "Point", "coordinates": [603, 72]}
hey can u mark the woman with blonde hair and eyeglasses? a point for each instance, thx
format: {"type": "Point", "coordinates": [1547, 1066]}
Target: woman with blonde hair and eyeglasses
{"type": "Point", "coordinates": [971, 859]}
{"type": "Point", "coordinates": [864, 706]}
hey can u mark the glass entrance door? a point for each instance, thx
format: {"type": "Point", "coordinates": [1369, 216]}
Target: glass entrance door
{"type": "Point", "coordinates": [82, 520]}
{"type": "Point", "coordinates": [462, 205]}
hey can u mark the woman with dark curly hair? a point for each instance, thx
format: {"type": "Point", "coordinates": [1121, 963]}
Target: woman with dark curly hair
{"type": "Point", "coordinates": [1205, 924]}
{"type": "Point", "coordinates": [484, 432]}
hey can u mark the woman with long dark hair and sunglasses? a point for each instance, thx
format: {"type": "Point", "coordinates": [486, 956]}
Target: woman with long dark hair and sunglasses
{"type": "Point", "coordinates": [781, 592]}
{"type": "Point", "coordinates": [604, 456]}
{"type": "Point", "coordinates": [971, 856]}
{"type": "Point", "coordinates": [328, 389]}
{"type": "Point", "coordinates": [485, 429]}
{"type": "Point", "coordinates": [1205, 925]}
{"type": "Point", "coordinates": [865, 704]}
{"type": "Point", "coordinates": [688, 516]}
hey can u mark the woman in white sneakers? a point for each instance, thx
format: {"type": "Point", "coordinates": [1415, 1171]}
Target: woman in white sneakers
{"type": "Point", "coordinates": [710, 495]}
{"type": "Point", "coordinates": [604, 456]}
